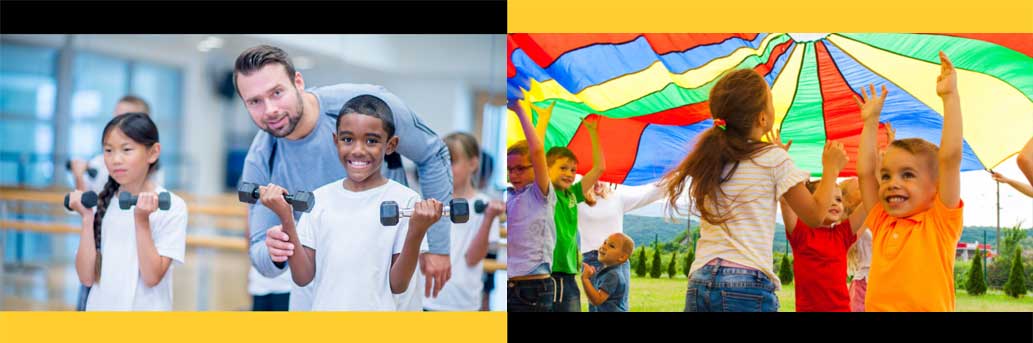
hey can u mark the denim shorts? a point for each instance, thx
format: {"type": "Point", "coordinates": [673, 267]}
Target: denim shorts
{"type": "Point", "coordinates": [727, 289]}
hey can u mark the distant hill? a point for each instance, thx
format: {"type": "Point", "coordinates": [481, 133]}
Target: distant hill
{"type": "Point", "coordinates": [642, 229]}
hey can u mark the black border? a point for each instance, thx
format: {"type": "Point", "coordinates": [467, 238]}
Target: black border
{"type": "Point", "coordinates": [226, 17]}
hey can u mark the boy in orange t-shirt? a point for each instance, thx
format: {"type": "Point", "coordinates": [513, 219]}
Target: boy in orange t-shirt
{"type": "Point", "coordinates": [917, 221]}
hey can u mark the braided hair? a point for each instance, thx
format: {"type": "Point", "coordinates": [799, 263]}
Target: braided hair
{"type": "Point", "coordinates": [138, 127]}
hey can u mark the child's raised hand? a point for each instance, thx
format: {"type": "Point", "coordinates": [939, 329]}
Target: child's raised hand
{"type": "Point", "coordinates": [871, 103]}
{"type": "Point", "coordinates": [424, 214]}
{"type": "Point", "coordinates": [272, 197]}
{"type": "Point", "coordinates": [947, 81]}
{"type": "Point", "coordinates": [834, 155]}
{"type": "Point", "coordinates": [588, 270]}
{"type": "Point", "coordinates": [543, 111]}
{"type": "Point", "coordinates": [998, 177]}
{"type": "Point", "coordinates": [146, 203]}
{"type": "Point", "coordinates": [592, 122]}
{"type": "Point", "coordinates": [775, 139]}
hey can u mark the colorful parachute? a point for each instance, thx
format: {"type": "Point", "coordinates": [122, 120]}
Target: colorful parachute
{"type": "Point", "coordinates": [651, 90]}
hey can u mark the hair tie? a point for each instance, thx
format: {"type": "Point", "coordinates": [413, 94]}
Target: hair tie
{"type": "Point", "coordinates": [720, 123]}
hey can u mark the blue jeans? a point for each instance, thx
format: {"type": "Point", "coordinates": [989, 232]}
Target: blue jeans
{"type": "Point", "coordinates": [530, 295]}
{"type": "Point", "coordinates": [727, 289]}
{"type": "Point", "coordinates": [592, 258]}
{"type": "Point", "coordinates": [568, 295]}
{"type": "Point", "coordinates": [80, 303]}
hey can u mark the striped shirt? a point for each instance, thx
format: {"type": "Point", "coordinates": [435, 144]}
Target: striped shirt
{"type": "Point", "coordinates": [750, 196]}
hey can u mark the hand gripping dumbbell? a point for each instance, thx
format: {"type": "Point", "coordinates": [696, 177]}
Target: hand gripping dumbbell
{"type": "Point", "coordinates": [458, 210]}
{"type": "Point", "coordinates": [126, 200]}
{"type": "Point", "coordinates": [89, 170]}
{"type": "Point", "coordinates": [88, 200]}
{"type": "Point", "coordinates": [479, 206]}
{"type": "Point", "coordinates": [301, 200]}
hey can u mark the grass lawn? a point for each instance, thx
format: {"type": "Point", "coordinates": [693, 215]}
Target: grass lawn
{"type": "Point", "coordinates": [668, 295]}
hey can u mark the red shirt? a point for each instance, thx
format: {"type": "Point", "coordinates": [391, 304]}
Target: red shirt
{"type": "Point", "coordinates": [819, 266]}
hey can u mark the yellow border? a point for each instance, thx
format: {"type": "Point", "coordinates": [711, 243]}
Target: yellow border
{"type": "Point", "coordinates": [597, 16]}
{"type": "Point", "coordinates": [252, 327]}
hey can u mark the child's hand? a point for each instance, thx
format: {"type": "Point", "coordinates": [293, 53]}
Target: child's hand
{"type": "Point", "coordinates": [146, 203]}
{"type": "Point", "coordinates": [998, 177]}
{"type": "Point", "coordinates": [494, 209]}
{"type": "Point", "coordinates": [947, 81]}
{"type": "Point", "coordinates": [543, 111]}
{"type": "Point", "coordinates": [871, 103]}
{"type": "Point", "coordinates": [834, 156]}
{"type": "Point", "coordinates": [424, 214]}
{"type": "Point", "coordinates": [78, 167]}
{"type": "Point", "coordinates": [280, 247]}
{"type": "Point", "coordinates": [75, 202]}
{"type": "Point", "coordinates": [272, 197]}
{"type": "Point", "coordinates": [591, 122]}
{"type": "Point", "coordinates": [588, 270]}
{"type": "Point", "coordinates": [775, 139]}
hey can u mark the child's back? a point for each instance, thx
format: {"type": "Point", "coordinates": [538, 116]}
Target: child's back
{"type": "Point", "coordinates": [750, 197]}
{"type": "Point", "coordinates": [353, 250]}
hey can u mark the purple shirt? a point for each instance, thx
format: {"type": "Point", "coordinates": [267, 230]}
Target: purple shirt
{"type": "Point", "coordinates": [531, 230]}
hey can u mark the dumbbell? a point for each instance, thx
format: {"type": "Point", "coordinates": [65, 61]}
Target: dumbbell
{"type": "Point", "coordinates": [126, 200]}
{"type": "Point", "coordinates": [89, 170]}
{"type": "Point", "coordinates": [479, 206]}
{"type": "Point", "coordinates": [458, 210]}
{"type": "Point", "coordinates": [301, 200]}
{"type": "Point", "coordinates": [88, 200]}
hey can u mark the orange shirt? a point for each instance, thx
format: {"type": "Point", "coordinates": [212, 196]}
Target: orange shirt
{"type": "Point", "coordinates": [913, 259]}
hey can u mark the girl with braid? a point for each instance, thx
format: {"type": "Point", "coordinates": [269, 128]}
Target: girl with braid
{"type": "Point", "coordinates": [126, 255]}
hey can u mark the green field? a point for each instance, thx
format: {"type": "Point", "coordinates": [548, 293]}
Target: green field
{"type": "Point", "coordinates": [668, 295]}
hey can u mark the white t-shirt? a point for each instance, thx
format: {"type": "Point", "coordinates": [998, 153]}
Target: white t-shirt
{"type": "Point", "coordinates": [120, 287]}
{"type": "Point", "coordinates": [96, 184]}
{"type": "Point", "coordinates": [596, 223]}
{"type": "Point", "coordinates": [353, 250]}
{"type": "Point", "coordinates": [261, 285]}
{"type": "Point", "coordinates": [751, 198]}
{"type": "Point", "coordinates": [463, 291]}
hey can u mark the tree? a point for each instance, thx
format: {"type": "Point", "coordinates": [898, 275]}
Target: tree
{"type": "Point", "coordinates": [672, 268]}
{"type": "Point", "coordinates": [1016, 285]}
{"type": "Point", "coordinates": [689, 258]}
{"type": "Point", "coordinates": [976, 283]}
{"type": "Point", "coordinates": [640, 266]}
{"type": "Point", "coordinates": [785, 273]}
{"type": "Point", "coordinates": [657, 267]}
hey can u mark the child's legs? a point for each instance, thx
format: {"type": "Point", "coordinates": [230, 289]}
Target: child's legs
{"type": "Point", "coordinates": [530, 295]}
{"type": "Point", "coordinates": [857, 291]}
{"type": "Point", "coordinates": [727, 289]}
{"type": "Point", "coordinates": [568, 296]}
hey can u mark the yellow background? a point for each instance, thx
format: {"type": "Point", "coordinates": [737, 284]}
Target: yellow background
{"type": "Point", "coordinates": [597, 16]}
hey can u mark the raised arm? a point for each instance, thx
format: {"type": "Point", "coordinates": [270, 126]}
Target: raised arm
{"type": "Point", "coordinates": [1018, 185]}
{"type": "Point", "coordinates": [951, 139]}
{"type": "Point", "coordinates": [536, 149]}
{"type": "Point", "coordinates": [598, 160]}
{"type": "Point", "coordinates": [542, 126]}
{"type": "Point", "coordinates": [813, 208]}
{"type": "Point", "coordinates": [867, 155]}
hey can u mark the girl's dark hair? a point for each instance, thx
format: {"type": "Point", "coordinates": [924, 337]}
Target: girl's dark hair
{"type": "Point", "coordinates": [138, 127]}
{"type": "Point", "coordinates": [738, 98]}
{"type": "Point", "coordinates": [457, 141]}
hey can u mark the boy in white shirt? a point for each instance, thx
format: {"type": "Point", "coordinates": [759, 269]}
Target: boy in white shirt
{"type": "Point", "coordinates": [359, 263]}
